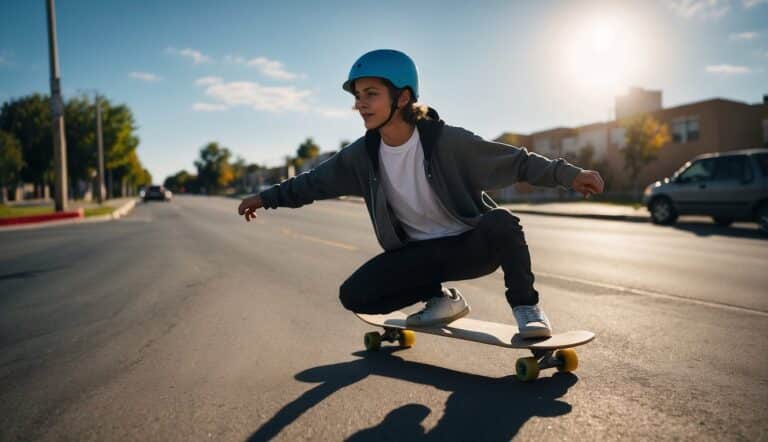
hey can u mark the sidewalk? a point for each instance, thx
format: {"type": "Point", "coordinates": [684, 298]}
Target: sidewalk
{"type": "Point", "coordinates": [573, 209]}
{"type": "Point", "coordinates": [584, 209]}
{"type": "Point", "coordinates": [122, 206]}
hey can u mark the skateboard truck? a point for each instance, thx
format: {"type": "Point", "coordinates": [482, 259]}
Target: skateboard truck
{"type": "Point", "coordinates": [564, 360]}
{"type": "Point", "coordinates": [406, 338]}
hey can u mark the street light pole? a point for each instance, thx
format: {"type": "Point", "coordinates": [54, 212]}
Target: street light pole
{"type": "Point", "coordinates": [57, 113]}
{"type": "Point", "coordinates": [100, 138]}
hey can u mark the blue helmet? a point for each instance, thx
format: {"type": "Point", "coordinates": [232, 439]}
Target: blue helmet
{"type": "Point", "coordinates": [388, 64]}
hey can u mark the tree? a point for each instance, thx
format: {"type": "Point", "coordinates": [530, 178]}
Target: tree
{"type": "Point", "coordinates": [344, 143]}
{"type": "Point", "coordinates": [29, 120]}
{"type": "Point", "coordinates": [120, 143]}
{"type": "Point", "coordinates": [82, 155]}
{"type": "Point", "coordinates": [181, 182]}
{"type": "Point", "coordinates": [11, 162]}
{"type": "Point", "coordinates": [239, 172]}
{"type": "Point", "coordinates": [308, 149]}
{"type": "Point", "coordinates": [644, 138]}
{"type": "Point", "coordinates": [214, 172]}
{"type": "Point", "coordinates": [585, 158]}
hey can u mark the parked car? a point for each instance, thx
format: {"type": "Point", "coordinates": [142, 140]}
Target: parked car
{"type": "Point", "coordinates": [728, 186]}
{"type": "Point", "coordinates": [159, 193]}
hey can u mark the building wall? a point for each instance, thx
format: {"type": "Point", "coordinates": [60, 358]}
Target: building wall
{"type": "Point", "coordinates": [514, 139]}
{"type": "Point", "coordinates": [550, 142]}
{"type": "Point", "coordinates": [721, 125]}
{"type": "Point", "coordinates": [637, 101]}
{"type": "Point", "coordinates": [596, 136]}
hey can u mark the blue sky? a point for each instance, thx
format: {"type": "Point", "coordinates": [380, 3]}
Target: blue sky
{"type": "Point", "coordinates": [260, 77]}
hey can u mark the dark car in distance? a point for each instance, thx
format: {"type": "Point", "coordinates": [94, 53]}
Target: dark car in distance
{"type": "Point", "coordinates": [157, 193]}
{"type": "Point", "coordinates": [728, 186]}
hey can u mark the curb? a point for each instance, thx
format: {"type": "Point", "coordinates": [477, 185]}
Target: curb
{"type": "Point", "coordinates": [32, 219]}
{"type": "Point", "coordinates": [116, 214]}
{"type": "Point", "coordinates": [123, 210]}
{"type": "Point", "coordinates": [626, 218]}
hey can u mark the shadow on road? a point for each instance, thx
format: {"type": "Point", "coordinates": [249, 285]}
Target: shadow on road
{"type": "Point", "coordinates": [709, 229]}
{"type": "Point", "coordinates": [479, 407]}
{"type": "Point", "coordinates": [26, 274]}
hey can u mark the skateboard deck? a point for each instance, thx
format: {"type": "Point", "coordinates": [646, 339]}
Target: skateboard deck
{"type": "Point", "coordinates": [485, 332]}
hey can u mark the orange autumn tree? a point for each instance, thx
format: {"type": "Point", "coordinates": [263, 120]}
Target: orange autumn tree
{"type": "Point", "coordinates": [644, 137]}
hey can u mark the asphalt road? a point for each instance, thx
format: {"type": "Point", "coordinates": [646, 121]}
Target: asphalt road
{"type": "Point", "coordinates": [183, 322]}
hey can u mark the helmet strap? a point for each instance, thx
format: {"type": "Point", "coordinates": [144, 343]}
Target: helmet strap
{"type": "Point", "coordinates": [392, 111]}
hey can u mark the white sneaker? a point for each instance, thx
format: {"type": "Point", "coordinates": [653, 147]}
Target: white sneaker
{"type": "Point", "coordinates": [440, 310]}
{"type": "Point", "coordinates": [532, 322]}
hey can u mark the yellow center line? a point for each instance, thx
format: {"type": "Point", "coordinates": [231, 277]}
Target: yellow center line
{"type": "Point", "coordinates": [340, 245]}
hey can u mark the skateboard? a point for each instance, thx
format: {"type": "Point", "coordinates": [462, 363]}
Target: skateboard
{"type": "Point", "coordinates": [551, 352]}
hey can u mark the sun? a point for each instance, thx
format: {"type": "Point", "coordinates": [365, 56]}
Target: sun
{"type": "Point", "coordinates": [599, 55]}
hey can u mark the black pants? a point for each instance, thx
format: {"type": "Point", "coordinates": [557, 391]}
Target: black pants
{"type": "Point", "coordinates": [402, 277]}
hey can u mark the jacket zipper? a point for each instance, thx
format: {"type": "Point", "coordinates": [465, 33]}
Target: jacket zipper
{"type": "Point", "coordinates": [428, 171]}
{"type": "Point", "coordinates": [371, 189]}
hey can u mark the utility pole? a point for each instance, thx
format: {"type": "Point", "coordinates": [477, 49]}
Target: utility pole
{"type": "Point", "coordinates": [57, 113]}
{"type": "Point", "coordinates": [100, 193]}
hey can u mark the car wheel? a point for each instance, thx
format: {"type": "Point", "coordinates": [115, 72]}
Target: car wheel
{"type": "Point", "coordinates": [722, 221]}
{"type": "Point", "coordinates": [761, 216]}
{"type": "Point", "coordinates": [662, 211]}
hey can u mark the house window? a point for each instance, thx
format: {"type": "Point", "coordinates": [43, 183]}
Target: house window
{"type": "Point", "coordinates": [685, 129]}
{"type": "Point", "coordinates": [692, 127]}
{"type": "Point", "coordinates": [678, 131]}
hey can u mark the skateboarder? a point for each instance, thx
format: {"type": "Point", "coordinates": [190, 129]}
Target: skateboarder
{"type": "Point", "coordinates": [423, 183]}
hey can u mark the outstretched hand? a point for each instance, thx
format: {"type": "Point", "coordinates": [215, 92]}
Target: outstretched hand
{"type": "Point", "coordinates": [248, 207]}
{"type": "Point", "coordinates": [588, 182]}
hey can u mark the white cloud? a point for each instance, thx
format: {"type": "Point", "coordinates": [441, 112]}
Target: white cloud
{"type": "Point", "coordinates": [207, 81]}
{"type": "Point", "coordinates": [703, 9]}
{"type": "Point", "coordinates": [258, 97]}
{"type": "Point", "coordinates": [728, 69]}
{"type": "Point", "coordinates": [196, 56]}
{"type": "Point", "coordinates": [271, 68]}
{"type": "Point", "coordinates": [744, 36]}
{"type": "Point", "coordinates": [234, 59]}
{"type": "Point", "coordinates": [209, 107]}
{"type": "Point", "coordinates": [750, 3]}
{"type": "Point", "coordinates": [144, 76]}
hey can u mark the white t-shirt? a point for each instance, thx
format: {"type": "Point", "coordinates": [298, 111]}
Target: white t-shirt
{"type": "Point", "coordinates": [409, 194]}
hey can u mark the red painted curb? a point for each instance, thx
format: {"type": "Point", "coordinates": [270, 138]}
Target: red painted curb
{"type": "Point", "coordinates": [79, 213]}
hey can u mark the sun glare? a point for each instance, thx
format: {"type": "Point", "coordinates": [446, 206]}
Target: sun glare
{"type": "Point", "coordinates": [599, 56]}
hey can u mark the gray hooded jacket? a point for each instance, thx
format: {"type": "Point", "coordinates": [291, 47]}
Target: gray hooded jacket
{"type": "Point", "coordinates": [459, 165]}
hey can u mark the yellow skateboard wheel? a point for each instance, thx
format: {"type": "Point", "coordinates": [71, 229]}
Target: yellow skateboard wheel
{"type": "Point", "coordinates": [406, 338]}
{"type": "Point", "coordinates": [569, 359]}
{"type": "Point", "coordinates": [527, 369]}
{"type": "Point", "coordinates": [372, 341]}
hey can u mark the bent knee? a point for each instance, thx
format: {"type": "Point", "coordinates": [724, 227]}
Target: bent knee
{"type": "Point", "coordinates": [500, 224]}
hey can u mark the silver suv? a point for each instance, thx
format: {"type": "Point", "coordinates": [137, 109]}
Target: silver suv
{"type": "Point", "coordinates": [728, 186]}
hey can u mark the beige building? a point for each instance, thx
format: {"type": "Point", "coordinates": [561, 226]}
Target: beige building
{"type": "Point", "coordinates": [715, 125]}
{"type": "Point", "coordinates": [637, 101]}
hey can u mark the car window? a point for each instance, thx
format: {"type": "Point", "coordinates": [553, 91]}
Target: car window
{"type": "Point", "coordinates": [701, 170]}
{"type": "Point", "coordinates": [762, 161]}
{"type": "Point", "coordinates": [732, 168]}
